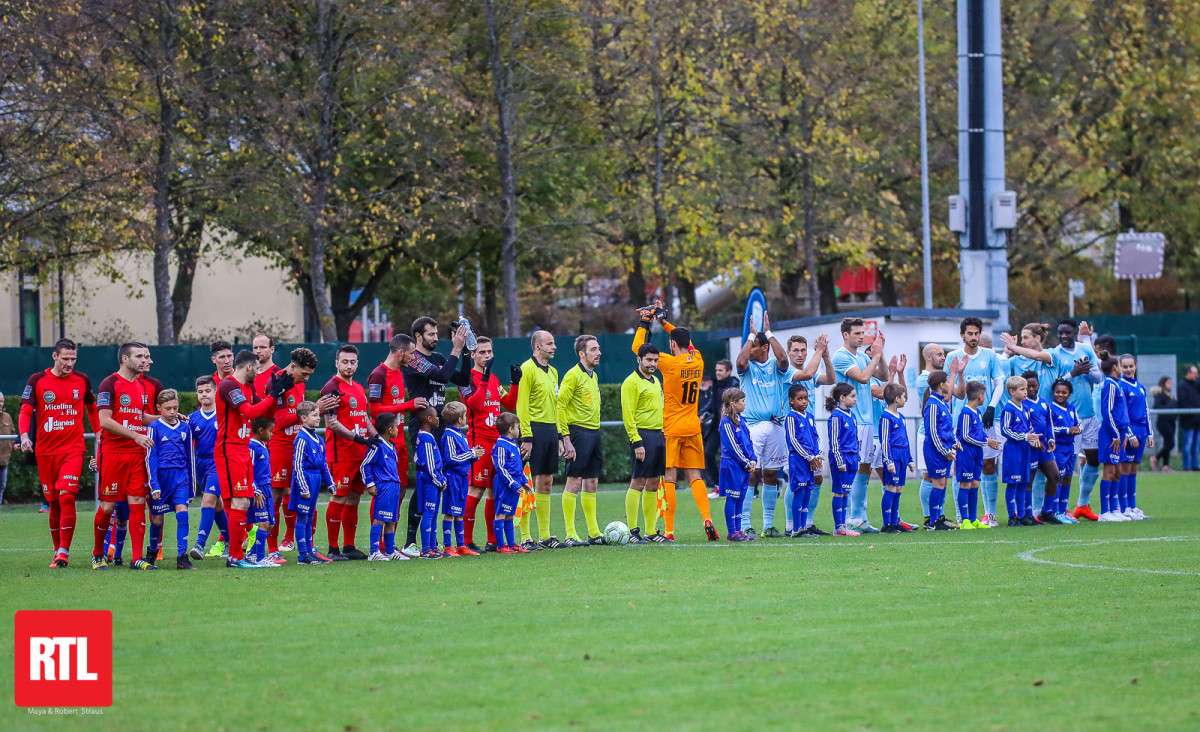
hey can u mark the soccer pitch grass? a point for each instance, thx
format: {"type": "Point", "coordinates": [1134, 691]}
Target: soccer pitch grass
{"type": "Point", "coordinates": [1075, 627]}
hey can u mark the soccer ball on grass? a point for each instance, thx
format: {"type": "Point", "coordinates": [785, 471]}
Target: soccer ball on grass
{"type": "Point", "coordinates": [616, 533]}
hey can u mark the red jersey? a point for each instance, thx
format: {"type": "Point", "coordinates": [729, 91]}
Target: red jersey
{"type": "Point", "coordinates": [57, 405]}
{"type": "Point", "coordinates": [237, 406]}
{"type": "Point", "coordinates": [484, 403]}
{"type": "Point", "coordinates": [153, 387]}
{"type": "Point", "coordinates": [287, 424]}
{"type": "Point", "coordinates": [386, 394]}
{"type": "Point", "coordinates": [352, 414]}
{"type": "Point", "coordinates": [128, 400]}
{"type": "Point", "coordinates": [260, 381]}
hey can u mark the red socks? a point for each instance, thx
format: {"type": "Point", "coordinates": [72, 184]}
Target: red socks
{"type": "Point", "coordinates": [289, 519]}
{"type": "Point", "coordinates": [333, 522]}
{"type": "Point", "coordinates": [273, 533]}
{"type": "Point", "coordinates": [66, 520]}
{"type": "Point", "coordinates": [100, 528]}
{"type": "Point", "coordinates": [137, 530]}
{"type": "Point", "coordinates": [489, 515]}
{"type": "Point", "coordinates": [237, 532]}
{"type": "Point", "coordinates": [55, 521]}
{"type": "Point", "coordinates": [349, 523]}
{"type": "Point", "coordinates": [469, 518]}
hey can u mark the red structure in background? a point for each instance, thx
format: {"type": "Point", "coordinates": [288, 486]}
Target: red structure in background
{"type": "Point", "coordinates": [858, 281]}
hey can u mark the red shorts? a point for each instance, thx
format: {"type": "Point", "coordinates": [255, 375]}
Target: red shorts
{"type": "Point", "coordinates": [482, 469]}
{"type": "Point", "coordinates": [235, 475]}
{"type": "Point", "coordinates": [122, 476]}
{"type": "Point", "coordinates": [281, 470]}
{"type": "Point", "coordinates": [346, 478]}
{"type": "Point", "coordinates": [59, 474]}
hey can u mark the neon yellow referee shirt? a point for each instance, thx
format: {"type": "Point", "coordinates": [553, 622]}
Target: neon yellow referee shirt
{"type": "Point", "coordinates": [578, 400]}
{"type": "Point", "coordinates": [537, 397]}
{"type": "Point", "coordinates": [641, 405]}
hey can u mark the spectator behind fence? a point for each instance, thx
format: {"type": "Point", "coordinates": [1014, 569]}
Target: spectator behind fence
{"type": "Point", "coordinates": [1165, 424]}
{"type": "Point", "coordinates": [1189, 424]}
{"type": "Point", "coordinates": [6, 446]}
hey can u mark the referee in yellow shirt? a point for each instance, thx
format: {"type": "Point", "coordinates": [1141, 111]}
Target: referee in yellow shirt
{"type": "Point", "coordinates": [537, 410]}
{"type": "Point", "coordinates": [579, 429]}
{"type": "Point", "coordinates": [642, 414]}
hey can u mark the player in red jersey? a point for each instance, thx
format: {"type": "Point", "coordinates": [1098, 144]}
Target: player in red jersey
{"type": "Point", "coordinates": [347, 432]}
{"type": "Point", "coordinates": [386, 394]}
{"type": "Point", "coordinates": [222, 358]}
{"type": "Point", "coordinates": [485, 399]}
{"type": "Point", "coordinates": [50, 425]}
{"type": "Point", "coordinates": [263, 346]}
{"type": "Point", "coordinates": [237, 406]}
{"type": "Point", "coordinates": [302, 365]}
{"type": "Point", "coordinates": [123, 401]}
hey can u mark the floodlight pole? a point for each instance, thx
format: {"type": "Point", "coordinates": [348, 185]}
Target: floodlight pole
{"type": "Point", "coordinates": [925, 245]}
{"type": "Point", "coordinates": [1133, 300]}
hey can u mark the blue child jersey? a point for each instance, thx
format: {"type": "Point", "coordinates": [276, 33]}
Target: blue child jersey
{"type": "Point", "coordinates": [203, 426]}
{"type": "Point", "coordinates": [1014, 426]}
{"type": "Point", "coordinates": [803, 446]}
{"type": "Point", "coordinates": [1039, 420]}
{"type": "Point", "coordinates": [1114, 409]}
{"type": "Point", "coordinates": [260, 460]}
{"type": "Point", "coordinates": [922, 387]}
{"type": "Point", "coordinates": [810, 384]}
{"type": "Point", "coordinates": [379, 466]}
{"type": "Point", "coordinates": [456, 452]}
{"type": "Point", "coordinates": [1135, 403]}
{"type": "Point", "coordinates": [893, 439]}
{"type": "Point", "coordinates": [310, 473]}
{"type": "Point", "coordinates": [939, 426]}
{"type": "Point", "coordinates": [429, 459]}
{"type": "Point", "coordinates": [843, 361]}
{"type": "Point", "coordinates": [735, 442]}
{"type": "Point", "coordinates": [973, 438]}
{"type": "Point", "coordinates": [509, 476]}
{"type": "Point", "coordinates": [843, 440]}
{"type": "Point", "coordinates": [1062, 419]}
{"type": "Point", "coordinates": [170, 452]}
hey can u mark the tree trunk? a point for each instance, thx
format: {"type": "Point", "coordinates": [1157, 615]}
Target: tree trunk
{"type": "Point", "coordinates": [164, 305]}
{"type": "Point", "coordinates": [828, 299]}
{"type": "Point", "coordinates": [809, 242]}
{"type": "Point", "coordinates": [505, 133]}
{"type": "Point", "coordinates": [636, 277]}
{"type": "Point", "coordinates": [661, 245]}
{"type": "Point", "coordinates": [887, 285]}
{"type": "Point", "coordinates": [187, 252]}
{"type": "Point", "coordinates": [322, 176]}
{"type": "Point", "coordinates": [491, 320]}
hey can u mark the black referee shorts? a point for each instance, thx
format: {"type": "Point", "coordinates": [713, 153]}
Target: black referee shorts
{"type": "Point", "coordinates": [589, 454]}
{"type": "Point", "coordinates": [655, 462]}
{"type": "Point", "coordinates": [543, 460]}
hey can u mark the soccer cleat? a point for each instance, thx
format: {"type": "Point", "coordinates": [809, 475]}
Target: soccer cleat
{"type": "Point", "coordinates": [218, 550]}
{"type": "Point", "coordinates": [287, 546]}
{"type": "Point", "coordinates": [846, 531]}
{"type": "Point", "coordinates": [967, 526]}
{"type": "Point", "coordinates": [196, 552]}
{"type": "Point", "coordinates": [1027, 521]}
{"type": "Point", "coordinates": [635, 536]}
{"type": "Point", "coordinates": [244, 564]}
{"type": "Point", "coordinates": [737, 536]}
{"type": "Point", "coordinates": [771, 533]}
{"type": "Point", "coordinates": [1086, 512]}
{"type": "Point", "coordinates": [111, 551]}
{"type": "Point", "coordinates": [183, 562]}
{"type": "Point", "coordinates": [507, 550]}
{"type": "Point", "coordinates": [866, 528]}
{"type": "Point", "coordinates": [142, 565]}
{"type": "Point", "coordinates": [1034, 517]}
{"type": "Point", "coordinates": [489, 547]}
{"type": "Point", "coordinates": [412, 551]}
{"type": "Point", "coordinates": [657, 538]}
{"type": "Point", "coordinates": [1015, 521]}
{"type": "Point", "coordinates": [596, 541]}
{"type": "Point", "coordinates": [1047, 517]}
{"type": "Point", "coordinates": [319, 556]}
{"type": "Point", "coordinates": [714, 494]}
{"type": "Point", "coordinates": [817, 531]}
{"type": "Point", "coordinates": [475, 548]}
{"type": "Point", "coordinates": [277, 558]}
{"type": "Point", "coordinates": [466, 551]}
{"type": "Point", "coordinates": [1140, 515]}
{"type": "Point", "coordinates": [118, 562]}
{"type": "Point", "coordinates": [350, 552]}
{"type": "Point", "coordinates": [44, 508]}
{"type": "Point", "coordinates": [711, 531]}
{"type": "Point", "coordinates": [551, 543]}
{"type": "Point", "coordinates": [572, 542]}
{"type": "Point", "coordinates": [60, 560]}
{"type": "Point", "coordinates": [1108, 517]}
{"type": "Point", "coordinates": [751, 534]}
{"type": "Point", "coordinates": [99, 562]}
{"type": "Point", "coordinates": [992, 521]}
{"type": "Point", "coordinates": [522, 550]}
{"type": "Point", "coordinates": [529, 545]}
{"type": "Point", "coordinates": [398, 556]}
{"type": "Point", "coordinates": [670, 537]}
{"type": "Point", "coordinates": [1065, 517]}
{"type": "Point", "coordinates": [925, 524]}
{"type": "Point", "coordinates": [890, 529]}
{"type": "Point", "coordinates": [906, 528]}
{"type": "Point", "coordinates": [431, 554]}
{"type": "Point", "coordinates": [942, 524]}
{"type": "Point", "coordinates": [447, 552]}
{"type": "Point", "coordinates": [378, 556]}
{"type": "Point", "coordinates": [1128, 512]}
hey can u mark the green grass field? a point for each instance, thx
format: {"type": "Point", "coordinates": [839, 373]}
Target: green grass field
{"type": "Point", "coordinates": [1073, 628]}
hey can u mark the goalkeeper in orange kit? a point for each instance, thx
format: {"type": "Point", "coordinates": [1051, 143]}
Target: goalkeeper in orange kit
{"type": "Point", "coordinates": [682, 371]}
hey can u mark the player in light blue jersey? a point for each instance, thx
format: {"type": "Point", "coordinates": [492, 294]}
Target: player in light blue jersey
{"type": "Point", "coordinates": [854, 366]}
{"type": "Point", "coordinates": [1077, 362]}
{"type": "Point", "coordinates": [762, 367]}
{"type": "Point", "coordinates": [985, 366]}
{"type": "Point", "coordinates": [807, 376]}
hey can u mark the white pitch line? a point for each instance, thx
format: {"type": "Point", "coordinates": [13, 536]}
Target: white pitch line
{"type": "Point", "coordinates": [1030, 556]}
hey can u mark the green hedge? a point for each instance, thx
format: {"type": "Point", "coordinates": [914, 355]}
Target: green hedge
{"type": "Point", "coordinates": [23, 486]}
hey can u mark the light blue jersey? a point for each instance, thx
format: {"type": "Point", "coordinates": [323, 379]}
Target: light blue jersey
{"type": "Point", "coordinates": [877, 406]}
{"type": "Point", "coordinates": [811, 385]}
{"type": "Point", "coordinates": [766, 391]}
{"type": "Point", "coordinates": [985, 367]}
{"type": "Point", "coordinates": [843, 361]}
{"type": "Point", "coordinates": [1046, 373]}
{"type": "Point", "coordinates": [1081, 386]}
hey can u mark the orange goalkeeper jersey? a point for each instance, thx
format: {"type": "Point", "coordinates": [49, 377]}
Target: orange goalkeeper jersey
{"type": "Point", "coordinates": [681, 376]}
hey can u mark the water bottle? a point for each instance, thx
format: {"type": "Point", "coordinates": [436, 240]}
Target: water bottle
{"type": "Point", "coordinates": [472, 341]}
